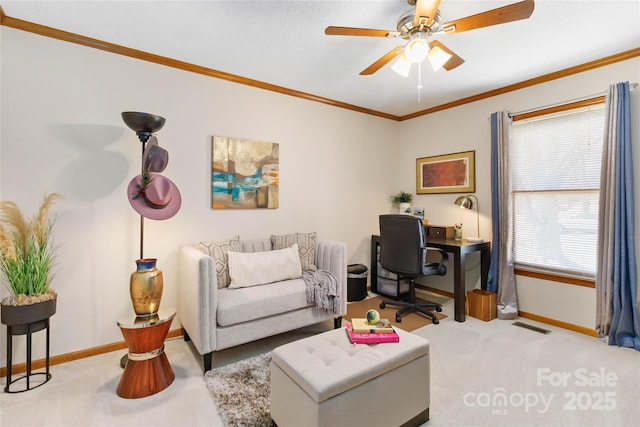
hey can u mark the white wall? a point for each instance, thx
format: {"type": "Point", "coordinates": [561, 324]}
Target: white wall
{"type": "Point", "coordinates": [468, 128]}
{"type": "Point", "coordinates": [62, 131]}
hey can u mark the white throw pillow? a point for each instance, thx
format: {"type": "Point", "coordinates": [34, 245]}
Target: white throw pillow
{"type": "Point", "coordinates": [259, 268]}
{"type": "Point", "coordinates": [306, 247]}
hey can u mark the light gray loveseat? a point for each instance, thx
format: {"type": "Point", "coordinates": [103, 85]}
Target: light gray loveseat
{"type": "Point", "coordinates": [214, 319]}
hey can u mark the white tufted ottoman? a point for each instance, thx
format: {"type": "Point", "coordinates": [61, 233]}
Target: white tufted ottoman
{"type": "Point", "coordinates": [324, 380]}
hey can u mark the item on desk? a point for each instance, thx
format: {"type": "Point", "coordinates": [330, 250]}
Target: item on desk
{"type": "Point", "coordinates": [360, 325]}
{"type": "Point", "coordinates": [418, 212]}
{"type": "Point", "coordinates": [440, 231]}
{"type": "Point", "coordinates": [474, 239]}
{"type": "Point", "coordinates": [368, 338]}
{"type": "Point", "coordinates": [403, 200]}
{"type": "Point", "coordinates": [372, 316]}
{"type": "Point", "coordinates": [457, 231]}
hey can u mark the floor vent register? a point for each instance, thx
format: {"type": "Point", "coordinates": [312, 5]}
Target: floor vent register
{"type": "Point", "coordinates": [531, 327]}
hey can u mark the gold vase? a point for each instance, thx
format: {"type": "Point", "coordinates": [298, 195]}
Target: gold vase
{"type": "Point", "coordinates": [146, 287]}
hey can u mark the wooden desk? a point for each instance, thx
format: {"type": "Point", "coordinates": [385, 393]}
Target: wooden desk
{"type": "Point", "coordinates": [459, 249]}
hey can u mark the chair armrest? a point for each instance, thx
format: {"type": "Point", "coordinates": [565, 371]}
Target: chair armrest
{"type": "Point", "coordinates": [332, 256]}
{"type": "Point", "coordinates": [197, 297]}
{"type": "Point", "coordinates": [444, 256]}
{"type": "Point", "coordinates": [443, 253]}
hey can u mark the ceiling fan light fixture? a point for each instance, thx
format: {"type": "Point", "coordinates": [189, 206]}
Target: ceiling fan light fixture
{"type": "Point", "coordinates": [417, 49]}
{"type": "Point", "coordinates": [422, 22]}
{"type": "Point", "coordinates": [402, 66]}
{"type": "Point", "coordinates": [438, 57]}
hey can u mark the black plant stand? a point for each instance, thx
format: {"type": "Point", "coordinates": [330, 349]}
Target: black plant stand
{"type": "Point", "coordinates": [26, 330]}
{"type": "Point", "coordinates": [25, 320]}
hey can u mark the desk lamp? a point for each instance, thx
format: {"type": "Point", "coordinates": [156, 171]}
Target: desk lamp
{"type": "Point", "coordinates": [466, 202]}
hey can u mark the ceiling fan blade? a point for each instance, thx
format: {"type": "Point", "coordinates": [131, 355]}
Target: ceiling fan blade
{"type": "Point", "coordinates": [454, 61]}
{"type": "Point", "coordinates": [425, 11]}
{"type": "Point", "coordinates": [501, 15]}
{"type": "Point", "coordinates": [382, 61]}
{"type": "Point", "coordinates": [349, 31]}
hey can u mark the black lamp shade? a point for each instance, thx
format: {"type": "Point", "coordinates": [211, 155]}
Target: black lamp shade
{"type": "Point", "coordinates": [143, 124]}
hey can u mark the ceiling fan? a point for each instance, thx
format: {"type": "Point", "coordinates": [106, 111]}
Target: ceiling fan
{"type": "Point", "coordinates": [419, 25]}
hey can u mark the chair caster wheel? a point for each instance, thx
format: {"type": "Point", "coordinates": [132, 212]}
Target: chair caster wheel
{"type": "Point", "coordinates": [382, 305]}
{"type": "Point", "coordinates": [439, 309]}
{"type": "Point", "coordinates": [398, 319]}
{"type": "Point", "coordinates": [435, 321]}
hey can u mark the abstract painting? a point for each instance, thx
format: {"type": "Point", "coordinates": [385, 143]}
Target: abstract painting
{"type": "Point", "coordinates": [245, 174]}
{"type": "Point", "coordinates": [448, 173]}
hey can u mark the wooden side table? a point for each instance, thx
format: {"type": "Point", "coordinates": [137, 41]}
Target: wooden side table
{"type": "Point", "coordinates": [147, 370]}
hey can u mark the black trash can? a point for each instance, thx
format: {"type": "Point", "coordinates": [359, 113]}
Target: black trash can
{"type": "Point", "coordinates": [356, 282]}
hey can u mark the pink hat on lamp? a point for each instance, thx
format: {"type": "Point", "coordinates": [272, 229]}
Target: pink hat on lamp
{"type": "Point", "coordinates": [154, 196]}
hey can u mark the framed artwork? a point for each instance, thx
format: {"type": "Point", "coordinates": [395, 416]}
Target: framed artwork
{"type": "Point", "coordinates": [448, 173]}
{"type": "Point", "coordinates": [244, 174]}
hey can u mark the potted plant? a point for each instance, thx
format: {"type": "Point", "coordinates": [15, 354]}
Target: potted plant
{"type": "Point", "coordinates": [403, 200]}
{"type": "Point", "coordinates": [26, 259]}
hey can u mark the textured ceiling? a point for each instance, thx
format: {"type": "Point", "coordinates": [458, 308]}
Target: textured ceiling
{"type": "Point", "coordinates": [283, 42]}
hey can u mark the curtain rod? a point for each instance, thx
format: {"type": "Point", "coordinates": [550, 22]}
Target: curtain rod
{"type": "Point", "coordinates": [632, 87]}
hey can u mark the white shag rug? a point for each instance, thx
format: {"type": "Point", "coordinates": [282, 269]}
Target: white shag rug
{"type": "Point", "coordinates": [241, 392]}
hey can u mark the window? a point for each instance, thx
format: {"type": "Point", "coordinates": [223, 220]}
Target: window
{"type": "Point", "coordinates": [555, 170]}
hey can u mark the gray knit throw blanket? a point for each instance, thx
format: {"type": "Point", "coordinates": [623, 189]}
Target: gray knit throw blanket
{"type": "Point", "coordinates": [323, 290]}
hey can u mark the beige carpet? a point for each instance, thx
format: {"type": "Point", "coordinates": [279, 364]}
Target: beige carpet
{"type": "Point", "coordinates": [410, 322]}
{"type": "Point", "coordinates": [471, 362]}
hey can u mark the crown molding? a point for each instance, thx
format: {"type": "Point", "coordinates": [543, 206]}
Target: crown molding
{"type": "Point", "coordinates": [42, 30]}
{"type": "Point", "coordinates": [608, 60]}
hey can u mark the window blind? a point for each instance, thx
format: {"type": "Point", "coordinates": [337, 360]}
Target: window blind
{"type": "Point", "coordinates": [555, 170]}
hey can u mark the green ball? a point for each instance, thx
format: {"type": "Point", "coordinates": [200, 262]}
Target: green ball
{"type": "Point", "coordinates": [373, 317]}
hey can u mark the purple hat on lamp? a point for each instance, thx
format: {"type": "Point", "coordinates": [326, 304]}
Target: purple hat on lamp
{"type": "Point", "coordinates": [154, 196]}
{"type": "Point", "coordinates": [154, 158]}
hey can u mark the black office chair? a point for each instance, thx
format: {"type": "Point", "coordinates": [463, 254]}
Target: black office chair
{"type": "Point", "coordinates": [403, 251]}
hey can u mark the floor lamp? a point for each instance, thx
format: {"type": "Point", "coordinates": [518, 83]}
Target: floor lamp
{"type": "Point", "coordinates": [144, 125]}
{"type": "Point", "coordinates": [466, 202]}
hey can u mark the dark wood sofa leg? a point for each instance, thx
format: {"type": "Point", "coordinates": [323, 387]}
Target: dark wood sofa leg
{"type": "Point", "coordinates": [207, 358]}
{"type": "Point", "coordinates": [337, 322]}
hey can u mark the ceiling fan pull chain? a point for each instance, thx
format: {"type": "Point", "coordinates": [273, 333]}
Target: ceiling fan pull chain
{"type": "Point", "coordinates": [419, 81]}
